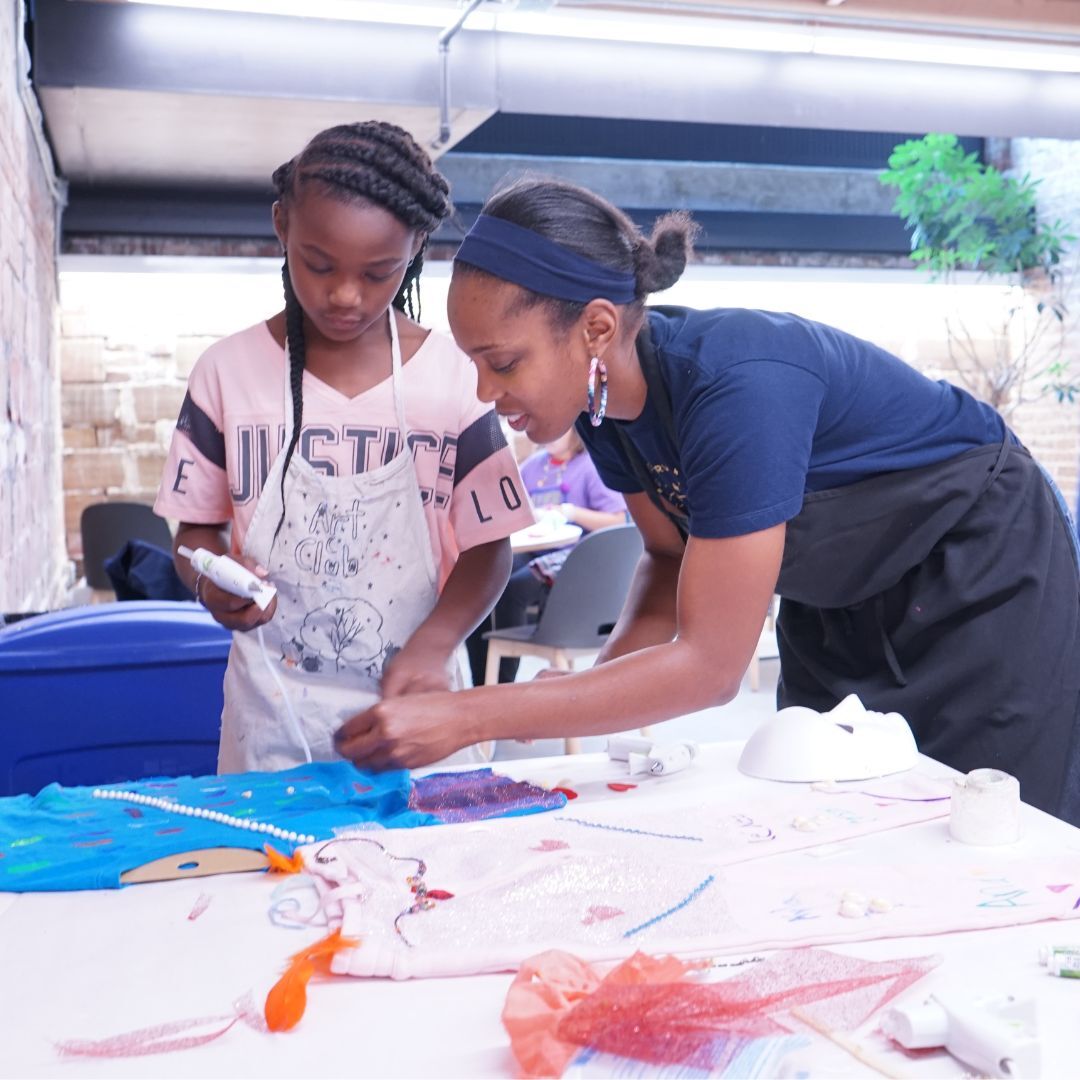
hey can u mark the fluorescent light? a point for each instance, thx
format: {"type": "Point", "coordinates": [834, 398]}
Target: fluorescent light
{"type": "Point", "coordinates": [403, 13]}
{"type": "Point", "coordinates": [653, 30]}
{"type": "Point", "coordinates": [716, 33]}
{"type": "Point", "coordinates": [967, 52]}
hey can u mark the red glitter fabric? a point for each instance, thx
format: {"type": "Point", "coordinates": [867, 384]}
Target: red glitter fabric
{"type": "Point", "coordinates": [651, 1011]}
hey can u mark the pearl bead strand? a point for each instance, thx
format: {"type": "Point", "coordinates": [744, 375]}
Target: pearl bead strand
{"type": "Point", "coordinates": [202, 812]}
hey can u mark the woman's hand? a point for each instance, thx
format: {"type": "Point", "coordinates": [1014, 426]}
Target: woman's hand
{"type": "Point", "coordinates": [405, 732]}
{"type": "Point", "coordinates": [235, 612]}
{"type": "Point", "coordinates": [416, 669]}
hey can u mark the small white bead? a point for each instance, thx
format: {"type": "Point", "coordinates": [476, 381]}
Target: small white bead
{"type": "Point", "coordinates": [880, 905]}
{"type": "Point", "coordinates": [850, 910]}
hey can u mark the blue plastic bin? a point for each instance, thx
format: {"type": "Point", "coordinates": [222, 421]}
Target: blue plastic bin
{"type": "Point", "coordinates": [110, 692]}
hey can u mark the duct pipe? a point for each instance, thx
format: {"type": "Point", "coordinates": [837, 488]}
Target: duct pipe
{"type": "Point", "coordinates": [444, 59]}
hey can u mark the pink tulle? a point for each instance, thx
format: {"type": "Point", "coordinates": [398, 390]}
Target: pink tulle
{"type": "Point", "coordinates": [652, 1010]}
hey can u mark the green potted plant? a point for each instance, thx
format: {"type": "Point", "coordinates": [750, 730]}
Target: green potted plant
{"type": "Point", "coordinates": [967, 215]}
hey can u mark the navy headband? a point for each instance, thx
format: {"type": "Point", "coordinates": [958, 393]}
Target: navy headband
{"type": "Point", "coordinates": [526, 258]}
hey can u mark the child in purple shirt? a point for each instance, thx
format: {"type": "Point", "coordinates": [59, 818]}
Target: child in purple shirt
{"type": "Point", "coordinates": [562, 478]}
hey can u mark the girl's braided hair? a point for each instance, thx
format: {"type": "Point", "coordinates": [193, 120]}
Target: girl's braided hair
{"type": "Point", "coordinates": [371, 162]}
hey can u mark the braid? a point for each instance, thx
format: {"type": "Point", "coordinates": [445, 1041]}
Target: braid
{"type": "Point", "coordinates": [294, 339]}
{"type": "Point", "coordinates": [408, 297]}
{"type": "Point", "coordinates": [375, 162]}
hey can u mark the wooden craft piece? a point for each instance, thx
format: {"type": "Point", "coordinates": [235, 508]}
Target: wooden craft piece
{"type": "Point", "coordinates": [200, 863]}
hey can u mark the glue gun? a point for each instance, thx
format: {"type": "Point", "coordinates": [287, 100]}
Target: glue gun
{"type": "Point", "coordinates": [229, 575]}
{"type": "Point", "coordinates": [643, 755]}
{"type": "Point", "coordinates": [994, 1036]}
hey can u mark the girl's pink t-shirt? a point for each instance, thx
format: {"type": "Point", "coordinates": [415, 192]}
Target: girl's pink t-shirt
{"type": "Point", "coordinates": [232, 426]}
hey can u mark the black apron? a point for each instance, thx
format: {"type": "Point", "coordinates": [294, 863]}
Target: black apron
{"type": "Point", "coordinates": [949, 594]}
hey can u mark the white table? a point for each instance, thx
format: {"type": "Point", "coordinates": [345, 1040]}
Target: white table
{"type": "Point", "coordinates": [544, 536]}
{"type": "Point", "coordinates": [97, 964]}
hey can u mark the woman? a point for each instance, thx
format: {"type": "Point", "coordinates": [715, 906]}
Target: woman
{"type": "Point", "coordinates": [922, 558]}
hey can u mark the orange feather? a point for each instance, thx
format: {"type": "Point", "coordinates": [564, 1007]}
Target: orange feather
{"type": "Point", "coordinates": [287, 1000]}
{"type": "Point", "coordinates": [283, 864]}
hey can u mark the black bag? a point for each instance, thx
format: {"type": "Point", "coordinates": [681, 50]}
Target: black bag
{"type": "Point", "coordinates": [144, 571]}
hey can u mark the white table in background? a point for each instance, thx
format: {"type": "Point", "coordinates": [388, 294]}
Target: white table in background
{"type": "Point", "coordinates": [97, 964]}
{"type": "Point", "coordinates": [544, 537]}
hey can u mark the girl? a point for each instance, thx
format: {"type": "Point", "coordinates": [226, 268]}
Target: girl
{"type": "Point", "coordinates": [922, 557]}
{"type": "Point", "coordinates": [340, 446]}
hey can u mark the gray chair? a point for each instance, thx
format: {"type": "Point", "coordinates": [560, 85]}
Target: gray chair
{"type": "Point", "coordinates": [107, 526]}
{"type": "Point", "coordinates": [583, 606]}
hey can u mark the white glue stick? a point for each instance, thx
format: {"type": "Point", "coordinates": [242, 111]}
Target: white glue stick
{"type": "Point", "coordinates": [229, 575]}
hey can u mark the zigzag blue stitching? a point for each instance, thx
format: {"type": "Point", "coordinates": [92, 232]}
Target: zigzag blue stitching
{"type": "Point", "coordinates": [671, 911]}
{"type": "Point", "coordinates": [636, 832]}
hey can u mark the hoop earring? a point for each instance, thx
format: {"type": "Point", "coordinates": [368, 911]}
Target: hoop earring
{"type": "Point", "coordinates": [597, 367]}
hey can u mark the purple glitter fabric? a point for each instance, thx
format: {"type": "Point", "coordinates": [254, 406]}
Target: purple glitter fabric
{"type": "Point", "coordinates": [479, 794]}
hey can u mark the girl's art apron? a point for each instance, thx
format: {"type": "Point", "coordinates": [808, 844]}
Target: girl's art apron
{"type": "Point", "coordinates": [355, 574]}
{"type": "Point", "coordinates": [949, 594]}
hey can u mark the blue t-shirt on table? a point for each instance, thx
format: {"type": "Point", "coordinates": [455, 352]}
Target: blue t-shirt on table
{"type": "Point", "coordinates": [768, 406]}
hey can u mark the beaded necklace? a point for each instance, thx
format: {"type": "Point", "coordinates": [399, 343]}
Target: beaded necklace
{"type": "Point", "coordinates": [202, 812]}
{"type": "Point", "coordinates": [425, 897]}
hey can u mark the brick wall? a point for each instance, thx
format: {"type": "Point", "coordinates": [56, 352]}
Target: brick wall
{"type": "Point", "coordinates": [34, 569]}
{"type": "Point", "coordinates": [129, 341]}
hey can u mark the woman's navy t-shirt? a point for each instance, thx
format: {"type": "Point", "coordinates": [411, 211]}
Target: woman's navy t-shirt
{"type": "Point", "coordinates": [770, 406]}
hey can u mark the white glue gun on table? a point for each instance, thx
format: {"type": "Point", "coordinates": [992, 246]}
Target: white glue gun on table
{"type": "Point", "coordinates": [994, 1036]}
{"type": "Point", "coordinates": [229, 575]}
{"type": "Point", "coordinates": [644, 755]}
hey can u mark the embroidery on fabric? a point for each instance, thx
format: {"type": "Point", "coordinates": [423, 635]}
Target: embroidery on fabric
{"type": "Point", "coordinates": [672, 910]}
{"type": "Point", "coordinates": [625, 829]}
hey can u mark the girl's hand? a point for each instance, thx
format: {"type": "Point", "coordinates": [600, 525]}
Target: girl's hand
{"type": "Point", "coordinates": [235, 612]}
{"type": "Point", "coordinates": [416, 669]}
{"type": "Point", "coordinates": [404, 732]}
